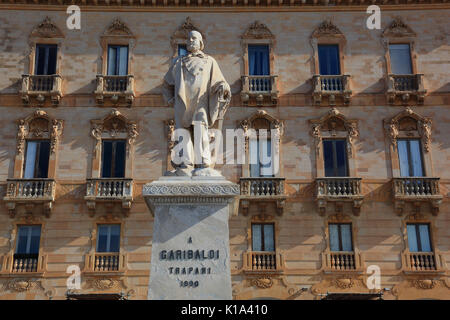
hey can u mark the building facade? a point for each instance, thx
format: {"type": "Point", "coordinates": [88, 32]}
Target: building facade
{"type": "Point", "coordinates": [363, 121]}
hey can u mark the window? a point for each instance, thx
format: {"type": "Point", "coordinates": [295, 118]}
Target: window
{"type": "Point", "coordinates": [340, 237]}
{"type": "Point", "coordinates": [28, 240]}
{"type": "Point", "coordinates": [182, 51]}
{"type": "Point", "coordinates": [36, 159]}
{"type": "Point", "coordinates": [258, 60]}
{"type": "Point", "coordinates": [410, 157]}
{"type": "Point", "coordinates": [45, 61]}
{"type": "Point", "coordinates": [335, 158]}
{"type": "Point", "coordinates": [117, 60]}
{"type": "Point", "coordinates": [329, 59]}
{"type": "Point", "coordinates": [419, 237]}
{"type": "Point", "coordinates": [113, 159]}
{"type": "Point", "coordinates": [260, 158]}
{"type": "Point", "coordinates": [108, 238]}
{"type": "Point", "coordinates": [263, 237]}
{"type": "Point", "coordinates": [400, 56]}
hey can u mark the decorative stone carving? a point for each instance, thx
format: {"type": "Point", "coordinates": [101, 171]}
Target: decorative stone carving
{"type": "Point", "coordinates": [23, 285]}
{"type": "Point", "coordinates": [46, 29]}
{"type": "Point", "coordinates": [118, 28]}
{"type": "Point", "coordinates": [326, 28]}
{"type": "Point", "coordinates": [343, 283]}
{"type": "Point", "coordinates": [262, 282]}
{"type": "Point", "coordinates": [398, 28]}
{"type": "Point", "coordinates": [257, 30]}
{"type": "Point", "coordinates": [424, 284]}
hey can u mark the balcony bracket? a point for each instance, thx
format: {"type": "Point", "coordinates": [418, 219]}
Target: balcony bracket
{"type": "Point", "coordinates": [280, 207]}
{"type": "Point", "coordinates": [244, 207]}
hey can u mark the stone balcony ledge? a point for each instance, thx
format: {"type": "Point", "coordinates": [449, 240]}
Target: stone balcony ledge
{"type": "Point", "coordinates": [30, 192]}
{"type": "Point", "coordinates": [423, 262]}
{"type": "Point", "coordinates": [339, 190]}
{"type": "Point", "coordinates": [261, 189]}
{"type": "Point", "coordinates": [259, 90]}
{"type": "Point", "coordinates": [23, 264]}
{"type": "Point", "coordinates": [331, 86]}
{"type": "Point", "coordinates": [416, 190]}
{"type": "Point", "coordinates": [116, 88]}
{"type": "Point", "coordinates": [262, 262]}
{"type": "Point", "coordinates": [109, 191]}
{"type": "Point", "coordinates": [105, 263]}
{"type": "Point", "coordinates": [404, 86]}
{"type": "Point", "coordinates": [40, 87]}
{"type": "Point", "coordinates": [342, 261]}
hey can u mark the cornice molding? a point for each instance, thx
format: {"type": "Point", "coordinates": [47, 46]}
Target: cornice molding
{"type": "Point", "coordinates": [219, 6]}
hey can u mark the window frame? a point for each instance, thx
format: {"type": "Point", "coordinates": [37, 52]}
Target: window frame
{"type": "Point", "coordinates": [117, 62]}
{"type": "Point", "coordinates": [409, 156]}
{"type": "Point", "coordinates": [37, 158]}
{"type": "Point", "coordinates": [335, 162]}
{"type": "Point", "coordinates": [398, 42]}
{"type": "Point", "coordinates": [108, 244]}
{"type": "Point", "coordinates": [28, 238]}
{"type": "Point", "coordinates": [262, 224]}
{"type": "Point", "coordinates": [340, 236]}
{"type": "Point", "coordinates": [113, 157]}
{"type": "Point", "coordinates": [418, 237]}
{"type": "Point", "coordinates": [323, 44]}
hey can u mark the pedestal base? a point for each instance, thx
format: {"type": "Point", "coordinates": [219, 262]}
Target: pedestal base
{"type": "Point", "coordinates": [190, 247]}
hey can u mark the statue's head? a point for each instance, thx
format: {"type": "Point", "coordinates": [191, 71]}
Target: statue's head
{"type": "Point", "coordinates": [194, 41]}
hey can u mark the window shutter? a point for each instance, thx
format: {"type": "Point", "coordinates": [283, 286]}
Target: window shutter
{"type": "Point", "coordinates": [119, 159]}
{"type": "Point", "coordinates": [412, 238]}
{"type": "Point", "coordinates": [107, 159]}
{"type": "Point", "coordinates": [258, 56]}
{"type": "Point", "coordinates": [346, 236]}
{"type": "Point", "coordinates": [334, 237]}
{"type": "Point", "coordinates": [112, 57]}
{"type": "Point", "coordinates": [256, 237]}
{"type": "Point", "coordinates": [329, 63]}
{"type": "Point", "coordinates": [269, 244]}
{"type": "Point", "coordinates": [400, 56]}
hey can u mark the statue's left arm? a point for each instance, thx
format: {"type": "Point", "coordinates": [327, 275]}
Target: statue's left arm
{"type": "Point", "coordinates": [220, 93]}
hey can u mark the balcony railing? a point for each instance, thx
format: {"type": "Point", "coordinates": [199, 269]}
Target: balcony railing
{"type": "Point", "coordinates": [262, 187]}
{"type": "Point", "coordinates": [342, 261]}
{"type": "Point", "coordinates": [331, 86]}
{"type": "Point", "coordinates": [259, 87]}
{"type": "Point", "coordinates": [405, 85]}
{"type": "Point", "coordinates": [338, 187]}
{"type": "Point", "coordinates": [30, 189]}
{"type": "Point", "coordinates": [22, 263]}
{"type": "Point", "coordinates": [40, 86]}
{"type": "Point", "coordinates": [109, 190]}
{"type": "Point", "coordinates": [416, 186]}
{"type": "Point", "coordinates": [105, 262]}
{"type": "Point", "coordinates": [115, 87]}
{"type": "Point", "coordinates": [424, 261]}
{"type": "Point", "coordinates": [262, 261]}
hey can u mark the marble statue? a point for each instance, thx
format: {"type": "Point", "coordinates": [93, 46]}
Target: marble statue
{"type": "Point", "coordinates": [200, 95]}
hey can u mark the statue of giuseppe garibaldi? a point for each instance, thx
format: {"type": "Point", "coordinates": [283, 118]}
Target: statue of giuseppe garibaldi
{"type": "Point", "coordinates": [200, 95]}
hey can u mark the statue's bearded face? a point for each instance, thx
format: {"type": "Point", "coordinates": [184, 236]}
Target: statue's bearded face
{"type": "Point", "coordinates": [194, 42]}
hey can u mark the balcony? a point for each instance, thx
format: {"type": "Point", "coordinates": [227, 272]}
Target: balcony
{"type": "Point", "coordinates": [416, 190]}
{"type": "Point", "coordinates": [109, 191]}
{"type": "Point", "coordinates": [262, 189]}
{"type": "Point", "coordinates": [104, 262]}
{"type": "Point", "coordinates": [259, 90]}
{"type": "Point", "coordinates": [40, 87]}
{"type": "Point", "coordinates": [405, 86]}
{"type": "Point", "coordinates": [116, 88]}
{"type": "Point", "coordinates": [331, 86]}
{"type": "Point", "coordinates": [263, 262]}
{"type": "Point", "coordinates": [30, 192]}
{"type": "Point", "coordinates": [22, 263]}
{"type": "Point", "coordinates": [339, 190]}
{"type": "Point", "coordinates": [342, 261]}
{"type": "Point", "coordinates": [423, 262]}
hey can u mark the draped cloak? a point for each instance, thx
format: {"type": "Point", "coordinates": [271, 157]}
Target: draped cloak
{"type": "Point", "coordinates": [193, 80]}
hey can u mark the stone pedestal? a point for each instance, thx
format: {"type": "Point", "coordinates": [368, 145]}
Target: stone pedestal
{"type": "Point", "coordinates": [190, 247]}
